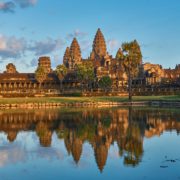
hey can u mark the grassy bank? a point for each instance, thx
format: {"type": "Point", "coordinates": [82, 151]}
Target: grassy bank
{"type": "Point", "coordinates": [85, 99]}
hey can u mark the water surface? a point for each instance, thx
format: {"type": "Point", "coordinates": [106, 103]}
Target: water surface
{"type": "Point", "coordinates": [116, 143]}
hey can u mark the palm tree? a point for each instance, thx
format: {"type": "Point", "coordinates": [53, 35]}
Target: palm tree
{"type": "Point", "coordinates": [40, 74]}
{"type": "Point", "coordinates": [61, 72]}
{"type": "Point", "coordinates": [132, 58]}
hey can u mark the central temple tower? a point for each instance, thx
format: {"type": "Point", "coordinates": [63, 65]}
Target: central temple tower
{"type": "Point", "coordinates": [99, 49]}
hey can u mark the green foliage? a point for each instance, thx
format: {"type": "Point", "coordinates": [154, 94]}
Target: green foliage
{"type": "Point", "coordinates": [132, 57]}
{"type": "Point", "coordinates": [81, 130]}
{"type": "Point", "coordinates": [105, 83]}
{"type": "Point", "coordinates": [41, 74]}
{"type": "Point", "coordinates": [60, 134]}
{"type": "Point", "coordinates": [106, 122]}
{"type": "Point", "coordinates": [120, 54]}
{"type": "Point", "coordinates": [61, 71]}
{"type": "Point", "coordinates": [85, 71]}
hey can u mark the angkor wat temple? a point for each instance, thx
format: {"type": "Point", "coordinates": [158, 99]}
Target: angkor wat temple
{"type": "Point", "coordinates": [152, 79]}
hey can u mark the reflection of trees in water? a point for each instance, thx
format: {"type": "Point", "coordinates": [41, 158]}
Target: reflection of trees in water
{"type": "Point", "coordinates": [132, 146]}
{"type": "Point", "coordinates": [101, 128]}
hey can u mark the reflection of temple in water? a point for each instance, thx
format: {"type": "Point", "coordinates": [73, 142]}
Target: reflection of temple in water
{"type": "Point", "coordinates": [100, 127]}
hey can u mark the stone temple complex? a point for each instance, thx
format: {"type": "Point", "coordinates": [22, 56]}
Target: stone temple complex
{"type": "Point", "coordinates": [153, 79]}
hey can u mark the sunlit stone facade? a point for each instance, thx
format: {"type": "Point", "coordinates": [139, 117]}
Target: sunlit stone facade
{"type": "Point", "coordinates": [152, 78]}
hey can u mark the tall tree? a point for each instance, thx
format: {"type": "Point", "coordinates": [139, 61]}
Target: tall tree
{"type": "Point", "coordinates": [119, 66]}
{"type": "Point", "coordinates": [61, 72]}
{"type": "Point", "coordinates": [41, 74]}
{"type": "Point", "coordinates": [105, 83]}
{"type": "Point", "coordinates": [132, 58]}
{"type": "Point", "coordinates": [85, 73]}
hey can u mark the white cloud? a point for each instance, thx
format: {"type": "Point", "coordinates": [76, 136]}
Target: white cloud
{"type": "Point", "coordinates": [26, 3]}
{"type": "Point", "coordinates": [15, 49]}
{"type": "Point", "coordinates": [76, 33]}
{"type": "Point", "coordinates": [47, 46]}
{"type": "Point", "coordinates": [113, 44]}
{"type": "Point", "coordinates": [7, 7]}
{"type": "Point", "coordinates": [12, 47]}
{"type": "Point", "coordinates": [10, 6]}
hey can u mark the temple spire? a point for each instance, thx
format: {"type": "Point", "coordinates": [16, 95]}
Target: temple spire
{"type": "Point", "coordinates": [77, 149]}
{"type": "Point", "coordinates": [101, 153]}
{"type": "Point", "coordinates": [99, 45]}
{"type": "Point", "coordinates": [66, 56]}
{"type": "Point", "coordinates": [75, 51]}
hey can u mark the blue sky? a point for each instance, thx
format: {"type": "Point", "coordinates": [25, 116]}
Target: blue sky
{"type": "Point", "coordinates": [32, 28]}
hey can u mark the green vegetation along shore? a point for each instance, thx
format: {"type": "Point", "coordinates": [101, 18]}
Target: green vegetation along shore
{"type": "Point", "coordinates": [88, 99]}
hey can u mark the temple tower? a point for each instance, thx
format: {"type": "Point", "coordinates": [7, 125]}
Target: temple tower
{"type": "Point", "coordinates": [75, 54]}
{"type": "Point", "coordinates": [11, 69]}
{"type": "Point", "coordinates": [66, 57]}
{"type": "Point", "coordinates": [46, 63]}
{"type": "Point", "coordinates": [72, 55]}
{"type": "Point", "coordinates": [99, 46]}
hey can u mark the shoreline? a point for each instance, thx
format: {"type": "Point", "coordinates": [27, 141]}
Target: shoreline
{"type": "Point", "coordinates": [49, 105]}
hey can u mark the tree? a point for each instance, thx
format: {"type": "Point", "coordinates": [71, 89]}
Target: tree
{"type": "Point", "coordinates": [105, 83]}
{"type": "Point", "coordinates": [119, 67]}
{"type": "Point", "coordinates": [61, 72]}
{"type": "Point", "coordinates": [132, 58]}
{"type": "Point", "coordinates": [85, 73]}
{"type": "Point", "coordinates": [41, 74]}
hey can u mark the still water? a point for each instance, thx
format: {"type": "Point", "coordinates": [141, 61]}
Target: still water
{"type": "Point", "coordinates": [117, 143]}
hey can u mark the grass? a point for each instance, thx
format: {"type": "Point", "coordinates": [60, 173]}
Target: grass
{"type": "Point", "coordinates": [86, 99]}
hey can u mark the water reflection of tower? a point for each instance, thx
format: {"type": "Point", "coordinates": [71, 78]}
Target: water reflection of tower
{"type": "Point", "coordinates": [77, 149]}
{"type": "Point", "coordinates": [45, 135]}
{"type": "Point", "coordinates": [74, 145]}
{"type": "Point", "coordinates": [100, 145]}
{"type": "Point", "coordinates": [11, 135]}
{"type": "Point", "coordinates": [101, 153]}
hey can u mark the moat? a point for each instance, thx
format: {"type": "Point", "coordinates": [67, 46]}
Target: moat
{"type": "Point", "coordinates": [90, 143]}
